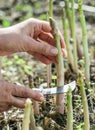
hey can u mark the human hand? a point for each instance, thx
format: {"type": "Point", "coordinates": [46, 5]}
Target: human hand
{"type": "Point", "coordinates": [14, 95]}
{"type": "Point", "coordinates": [30, 36]}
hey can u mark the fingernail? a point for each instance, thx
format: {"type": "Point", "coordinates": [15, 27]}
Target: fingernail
{"type": "Point", "coordinates": [42, 98]}
{"type": "Point", "coordinates": [54, 51]}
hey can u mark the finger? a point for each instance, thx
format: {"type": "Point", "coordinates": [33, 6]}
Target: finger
{"type": "Point", "coordinates": [5, 53]}
{"type": "Point", "coordinates": [23, 92]}
{"type": "Point", "coordinates": [47, 37]}
{"type": "Point", "coordinates": [45, 26]}
{"type": "Point", "coordinates": [42, 48]}
{"type": "Point", "coordinates": [64, 52]}
{"type": "Point", "coordinates": [5, 108]}
{"type": "Point", "coordinates": [18, 102]}
{"type": "Point", "coordinates": [42, 58]}
{"type": "Point", "coordinates": [61, 40]}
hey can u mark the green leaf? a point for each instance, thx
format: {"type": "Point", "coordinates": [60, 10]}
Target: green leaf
{"type": "Point", "coordinates": [6, 23]}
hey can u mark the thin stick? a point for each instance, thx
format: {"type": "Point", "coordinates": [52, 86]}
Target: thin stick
{"type": "Point", "coordinates": [85, 42]}
{"type": "Point", "coordinates": [59, 66]}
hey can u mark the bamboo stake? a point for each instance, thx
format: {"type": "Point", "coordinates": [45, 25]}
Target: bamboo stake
{"type": "Point", "coordinates": [85, 103]}
{"type": "Point", "coordinates": [74, 37]}
{"type": "Point", "coordinates": [69, 110]}
{"type": "Point", "coordinates": [27, 111]}
{"type": "Point", "coordinates": [85, 42]}
{"type": "Point", "coordinates": [59, 66]}
{"type": "Point", "coordinates": [66, 37]}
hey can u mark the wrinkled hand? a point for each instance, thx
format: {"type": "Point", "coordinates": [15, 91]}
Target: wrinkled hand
{"type": "Point", "coordinates": [14, 95]}
{"type": "Point", "coordinates": [30, 36]}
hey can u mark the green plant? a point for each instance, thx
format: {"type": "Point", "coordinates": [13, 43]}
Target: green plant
{"type": "Point", "coordinates": [27, 111]}
{"type": "Point", "coordinates": [66, 38]}
{"type": "Point", "coordinates": [69, 110]}
{"type": "Point", "coordinates": [59, 67]}
{"type": "Point", "coordinates": [85, 42]}
{"type": "Point", "coordinates": [73, 29]}
{"type": "Point", "coordinates": [50, 14]}
{"type": "Point", "coordinates": [80, 126]}
{"type": "Point", "coordinates": [6, 23]}
{"type": "Point", "coordinates": [84, 102]}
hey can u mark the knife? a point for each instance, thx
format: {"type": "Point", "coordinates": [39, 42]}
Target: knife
{"type": "Point", "coordinates": [56, 90]}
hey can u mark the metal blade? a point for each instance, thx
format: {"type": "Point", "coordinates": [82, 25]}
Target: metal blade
{"type": "Point", "coordinates": [56, 90]}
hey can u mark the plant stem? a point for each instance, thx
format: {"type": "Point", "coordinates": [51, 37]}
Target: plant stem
{"type": "Point", "coordinates": [49, 66]}
{"type": "Point", "coordinates": [48, 75]}
{"type": "Point", "coordinates": [85, 42]}
{"type": "Point", "coordinates": [59, 66]}
{"type": "Point", "coordinates": [74, 37]}
{"type": "Point", "coordinates": [50, 8]}
{"type": "Point", "coordinates": [27, 111]}
{"type": "Point", "coordinates": [32, 119]}
{"type": "Point", "coordinates": [68, 13]}
{"type": "Point", "coordinates": [69, 110]}
{"type": "Point", "coordinates": [66, 37]}
{"type": "Point", "coordinates": [36, 107]}
{"type": "Point", "coordinates": [85, 103]}
{"type": "Point", "coordinates": [35, 103]}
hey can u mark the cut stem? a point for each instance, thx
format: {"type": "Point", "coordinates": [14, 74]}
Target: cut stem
{"type": "Point", "coordinates": [59, 66]}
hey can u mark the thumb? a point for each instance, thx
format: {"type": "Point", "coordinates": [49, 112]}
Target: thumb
{"type": "Point", "coordinates": [40, 47]}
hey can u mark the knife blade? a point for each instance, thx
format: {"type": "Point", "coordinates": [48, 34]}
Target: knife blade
{"type": "Point", "coordinates": [56, 90]}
